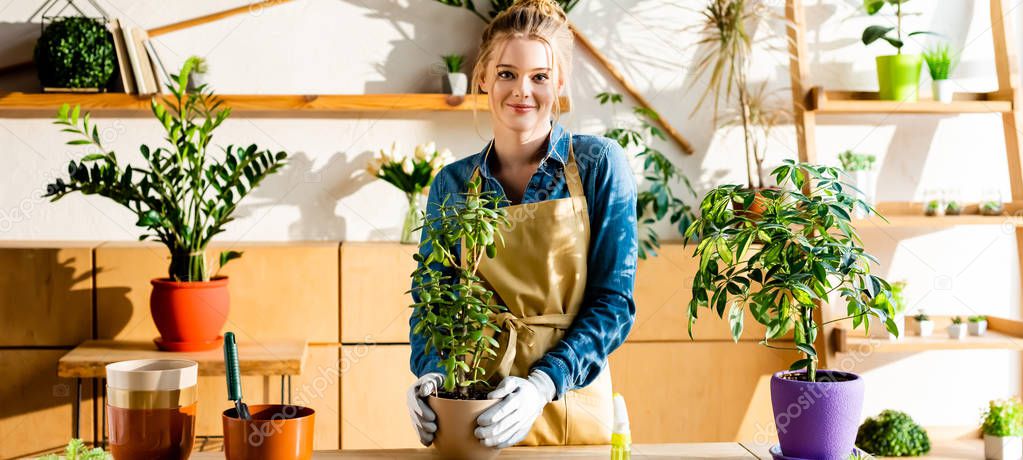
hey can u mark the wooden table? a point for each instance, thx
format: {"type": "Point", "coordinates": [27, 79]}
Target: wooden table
{"type": "Point", "coordinates": [268, 358]}
{"type": "Point", "coordinates": [941, 450]}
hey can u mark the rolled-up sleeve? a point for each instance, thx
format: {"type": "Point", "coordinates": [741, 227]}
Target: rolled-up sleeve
{"type": "Point", "coordinates": [420, 361]}
{"type": "Point", "coordinates": [608, 309]}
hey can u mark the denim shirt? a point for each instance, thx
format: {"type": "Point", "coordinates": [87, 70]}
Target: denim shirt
{"type": "Point", "coordinates": [608, 310]}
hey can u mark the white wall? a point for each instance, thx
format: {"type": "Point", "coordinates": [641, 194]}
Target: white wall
{"type": "Point", "coordinates": [378, 46]}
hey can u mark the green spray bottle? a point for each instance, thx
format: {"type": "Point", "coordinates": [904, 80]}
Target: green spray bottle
{"type": "Point", "coordinates": [621, 437]}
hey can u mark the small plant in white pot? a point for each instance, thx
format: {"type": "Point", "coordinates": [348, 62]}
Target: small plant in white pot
{"type": "Point", "coordinates": [455, 313]}
{"type": "Point", "coordinates": [183, 196]}
{"type": "Point", "coordinates": [940, 63]}
{"type": "Point", "coordinates": [860, 168]}
{"type": "Point", "coordinates": [455, 83]}
{"type": "Point", "coordinates": [1003, 430]}
{"type": "Point", "coordinates": [978, 325]}
{"type": "Point", "coordinates": [197, 77]}
{"type": "Point", "coordinates": [925, 327]}
{"type": "Point", "coordinates": [781, 266]}
{"type": "Point", "coordinates": [956, 330]}
{"type": "Point", "coordinates": [898, 301]}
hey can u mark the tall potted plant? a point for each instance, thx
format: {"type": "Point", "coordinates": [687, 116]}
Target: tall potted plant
{"type": "Point", "coordinates": [183, 197]}
{"type": "Point", "coordinates": [898, 75]}
{"type": "Point", "coordinates": [455, 312]}
{"type": "Point", "coordinates": [781, 266]}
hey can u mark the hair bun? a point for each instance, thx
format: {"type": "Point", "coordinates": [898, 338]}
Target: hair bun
{"type": "Point", "coordinates": [545, 7]}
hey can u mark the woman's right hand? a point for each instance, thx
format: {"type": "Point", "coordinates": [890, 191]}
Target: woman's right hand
{"type": "Point", "coordinates": [423, 418]}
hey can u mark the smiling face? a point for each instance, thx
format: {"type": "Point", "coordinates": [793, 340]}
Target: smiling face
{"type": "Point", "coordinates": [522, 84]}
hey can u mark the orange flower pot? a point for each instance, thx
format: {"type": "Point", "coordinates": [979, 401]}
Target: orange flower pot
{"type": "Point", "coordinates": [190, 314]}
{"type": "Point", "coordinates": [275, 432]}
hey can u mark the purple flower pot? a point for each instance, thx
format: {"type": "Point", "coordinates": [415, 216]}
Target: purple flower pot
{"type": "Point", "coordinates": [817, 420]}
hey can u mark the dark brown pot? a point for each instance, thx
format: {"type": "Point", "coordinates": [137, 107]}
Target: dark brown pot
{"type": "Point", "coordinates": [275, 432]}
{"type": "Point", "coordinates": [456, 422]}
{"type": "Point", "coordinates": [189, 315]}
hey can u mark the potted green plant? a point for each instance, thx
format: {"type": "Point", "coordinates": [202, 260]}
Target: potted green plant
{"type": "Point", "coordinates": [898, 75]}
{"type": "Point", "coordinates": [75, 52]}
{"type": "Point", "coordinates": [455, 312]}
{"type": "Point", "coordinates": [893, 434]}
{"type": "Point", "coordinates": [412, 174]}
{"type": "Point", "coordinates": [860, 167]}
{"type": "Point", "coordinates": [934, 208]}
{"type": "Point", "coordinates": [925, 327]}
{"type": "Point", "coordinates": [455, 82]}
{"type": "Point", "coordinates": [197, 77]}
{"type": "Point", "coordinates": [182, 197]}
{"type": "Point", "coordinates": [991, 208]}
{"type": "Point", "coordinates": [898, 301]}
{"type": "Point", "coordinates": [956, 330]}
{"type": "Point", "coordinates": [657, 200]}
{"type": "Point", "coordinates": [1003, 429]}
{"type": "Point", "coordinates": [781, 266]}
{"type": "Point", "coordinates": [941, 62]}
{"type": "Point", "coordinates": [953, 208]}
{"type": "Point", "coordinates": [977, 325]}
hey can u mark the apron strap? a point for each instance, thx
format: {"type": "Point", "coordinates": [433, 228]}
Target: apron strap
{"type": "Point", "coordinates": [511, 324]}
{"type": "Point", "coordinates": [572, 178]}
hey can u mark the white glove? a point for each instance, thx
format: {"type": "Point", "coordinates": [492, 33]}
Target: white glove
{"type": "Point", "coordinates": [508, 422]}
{"type": "Point", "coordinates": [423, 418]}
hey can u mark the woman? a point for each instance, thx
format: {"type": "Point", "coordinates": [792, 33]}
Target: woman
{"type": "Point", "coordinates": [567, 268]}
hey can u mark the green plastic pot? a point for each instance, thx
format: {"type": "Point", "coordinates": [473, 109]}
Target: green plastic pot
{"type": "Point", "coordinates": [899, 76]}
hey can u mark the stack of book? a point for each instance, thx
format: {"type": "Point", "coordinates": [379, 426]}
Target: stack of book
{"type": "Point", "coordinates": [139, 68]}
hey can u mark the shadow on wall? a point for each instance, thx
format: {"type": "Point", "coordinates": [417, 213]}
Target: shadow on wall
{"type": "Point", "coordinates": [19, 41]}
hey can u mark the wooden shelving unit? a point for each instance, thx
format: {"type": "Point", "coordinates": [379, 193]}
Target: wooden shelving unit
{"type": "Point", "coordinates": [809, 102]}
{"type": "Point", "coordinates": [1002, 334]}
{"type": "Point", "coordinates": [16, 103]}
{"type": "Point", "coordinates": [857, 102]}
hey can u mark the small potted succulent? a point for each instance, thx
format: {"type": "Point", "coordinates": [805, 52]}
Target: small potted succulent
{"type": "Point", "coordinates": [183, 196]}
{"type": "Point", "coordinates": [1003, 429]}
{"type": "Point", "coordinates": [924, 324]}
{"type": "Point", "coordinates": [455, 82]}
{"type": "Point", "coordinates": [940, 62]}
{"type": "Point", "coordinates": [953, 208]}
{"type": "Point", "coordinates": [991, 208]}
{"type": "Point", "coordinates": [781, 266]}
{"type": "Point", "coordinates": [977, 325]}
{"type": "Point", "coordinates": [412, 174]}
{"type": "Point", "coordinates": [956, 330]}
{"type": "Point", "coordinates": [197, 78]}
{"type": "Point", "coordinates": [898, 301]}
{"type": "Point", "coordinates": [455, 312]}
{"type": "Point", "coordinates": [934, 208]}
{"type": "Point", "coordinates": [860, 167]}
{"type": "Point", "coordinates": [898, 75]}
{"type": "Point", "coordinates": [77, 450]}
{"type": "Point", "coordinates": [893, 434]}
{"type": "Point", "coordinates": [75, 52]}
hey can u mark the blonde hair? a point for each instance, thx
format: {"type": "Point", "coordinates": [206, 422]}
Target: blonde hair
{"type": "Point", "coordinates": [542, 20]}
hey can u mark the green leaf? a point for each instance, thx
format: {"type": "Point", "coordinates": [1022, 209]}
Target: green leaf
{"type": "Point", "coordinates": [801, 364]}
{"type": "Point", "coordinates": [735, 318]}
{"type": "Point", "coordinates": [723, 252]}
{"type": "Point", "coordinates": [227, 256]}
{"type": "Point", "coordinates": [872, 6]}
{"type": "Point", "coordinates": [873, 33]}
{"type": "Point", "coordinates": [807, 349]}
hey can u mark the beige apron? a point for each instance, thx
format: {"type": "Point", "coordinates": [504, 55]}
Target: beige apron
{"type": "Point", "coordinates": [540, 275]}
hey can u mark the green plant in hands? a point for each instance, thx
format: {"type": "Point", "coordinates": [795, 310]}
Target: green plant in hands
{"type": "Point", "coordinates": [183, 196]}
{"type": "Point", "coordinates": [874, 33]}
{"type": "Point", "coordinates": [455, 309]}
{"type": "Point", "coordinates": [658, 200]}
{"type": "Point", "coordinates": [77, 450]}
{"type": "Point", "coordinates": [852, 161]}
{"type": "Point", "coordinates": [1003, 417]}
{"type": "Point", "coordinates": [941, 61]}
{"type": "Point", "coordinates": [453, 62]}
{"type": "Point", "coordinates": [497, 6]}
{"type": "Point", "coordinates": [782, 264]}
{"type": "Point", "coordinates": [893, 434]}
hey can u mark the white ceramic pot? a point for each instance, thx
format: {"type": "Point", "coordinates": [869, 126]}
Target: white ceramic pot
{"type": "Point", "coordinates": [978, 328]}
{"type": "Point", "coordinates": [455, 84]}
{"type": "Point", "coordinates": [195, 80]}
{"type": "Point", "coordinates": [926, 328]}
{"type": "Point", "coordinates": [941, 91]}
{"type": "Point", "coordinates": [956, 331]}
{"type": "Point", "coordinates": [878, 331]}
{"type": "Point", "coordinates": [1003, 447]}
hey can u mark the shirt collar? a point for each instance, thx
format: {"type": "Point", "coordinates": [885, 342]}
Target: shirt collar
{"type": "Point", "coordinates": [557, 149]}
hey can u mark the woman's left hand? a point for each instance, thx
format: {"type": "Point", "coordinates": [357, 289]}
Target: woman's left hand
{"type": "Point", "coordinates": [522, 400]}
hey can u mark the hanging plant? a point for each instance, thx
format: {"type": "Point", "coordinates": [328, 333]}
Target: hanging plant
{"type": "Point", "coordinates": [75, 52]}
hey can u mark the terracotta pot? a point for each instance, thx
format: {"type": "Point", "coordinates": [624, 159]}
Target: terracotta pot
{"type": "Point", "coordinates": [456, 422]}
{"type": "Point", "coordinates": [151, 408]}
{"type": "Point", "coordinates": [189, 315]}
{"type": "Point", "coordinates": [755, 210]}
{"type": "Point", "coordinates": [275, 432]}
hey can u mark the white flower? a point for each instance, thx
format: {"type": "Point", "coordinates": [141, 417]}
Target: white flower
{"type": "Point", "coordinates": [407, 165]}
{"type": "Point", "coordinates": [396, 154]}
{"type": "Point", "coordinates": [430, 148]}
{"type": "Point", "coordinates": [372, 169]}
{"type": "Point", "coordinates": [421, 152]}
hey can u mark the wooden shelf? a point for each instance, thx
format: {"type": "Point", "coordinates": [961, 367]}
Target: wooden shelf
{"type": "Point", "coordinates": [909, 214]}
{"type": "Point", "coordinates": [26, 103]}
{"type": "Point", "coordinates": [858, 102]}
{"type": "Point", "coordinates": [1001, 334]}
